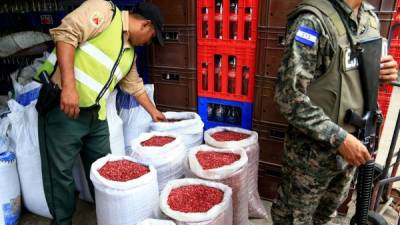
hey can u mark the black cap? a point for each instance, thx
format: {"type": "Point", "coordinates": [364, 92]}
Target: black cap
{"type": "Point", "coordinates": [152, 12]}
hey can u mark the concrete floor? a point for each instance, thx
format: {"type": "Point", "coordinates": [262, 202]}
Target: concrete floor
{"type": "Point", "coordinates": [86, 215]}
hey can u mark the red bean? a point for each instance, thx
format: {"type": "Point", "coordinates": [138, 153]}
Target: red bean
{"type": "Point", "coordinates": [122, 170]}
{"type": "Point", "coordinates": [194, 198]}
{"type": "Point", "coordinates": [212, 160]}
{"type": "Point", "coordinates": [229, 136]}
{"type": "Point", "coordinates": [158, 141]}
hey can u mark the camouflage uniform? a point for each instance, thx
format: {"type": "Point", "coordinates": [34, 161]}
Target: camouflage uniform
{"type": "Point", "coordinates": [313, 186]}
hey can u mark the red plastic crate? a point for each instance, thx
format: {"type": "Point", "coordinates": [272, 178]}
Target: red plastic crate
{"type": "Point", "coordinates": [395, 49]}
{"type": "Point", "coordinates": [385, 93]}
{"type": "Point", "coordinates": [245, 59]}
{"type": "Point", "coordinates": [247, 10]}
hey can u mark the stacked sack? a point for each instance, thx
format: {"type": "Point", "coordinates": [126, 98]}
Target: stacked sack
{"type": "Point", "coordinates": [166, 152]}
{"type": "Point", "coordinates": [126, 192]}
{"type": "Point", "coordinates": [24, 132]}
{"type": "Point", "coordinates": [10, 197]}
{"type": "Point", "coordinates": [226, 166]}
{"type": "Point", "coordinates": [230, 137]}
{"type": "Point", "coordinates": [115, 126]}
{"type": "Point", "coordinates": [186, 124]}
{"type": "Point", "coordinates": [136, 120]}
{"type": "Point", "coordinates": [197, 202]}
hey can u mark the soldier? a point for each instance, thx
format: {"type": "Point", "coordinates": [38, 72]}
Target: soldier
{"type": "Point", "coordinates": [318, 81]}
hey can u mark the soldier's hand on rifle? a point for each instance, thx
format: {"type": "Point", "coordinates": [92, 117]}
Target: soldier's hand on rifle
{"type": "Point", "coordinates": [353, 151]}
{"type": "Point", "coordinates": [388, 71]}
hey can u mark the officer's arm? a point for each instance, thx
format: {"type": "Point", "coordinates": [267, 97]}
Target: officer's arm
{"type": "Point", "coordinates": [145, 102]}
{"type": "Point", "coordinates": [300, 65]}
{"type": "Point", "coordinates": [65, 56]}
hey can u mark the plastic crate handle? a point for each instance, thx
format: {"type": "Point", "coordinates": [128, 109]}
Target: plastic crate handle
{"type": "Point", "coordinates": [170, 76]}
{"type": "Point", "coordinates": [171, 36]}
{"type": "Point", "coordinates": [277, 134]}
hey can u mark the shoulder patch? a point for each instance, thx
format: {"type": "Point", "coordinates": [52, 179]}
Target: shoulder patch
{"type": "Point", "coordinates": [307, 36]}
{"type": "Point", "coordinates": [96, 19]}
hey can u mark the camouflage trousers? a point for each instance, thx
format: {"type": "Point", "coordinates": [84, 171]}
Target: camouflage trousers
{"type": "Point", "coordinates": [313, 187]}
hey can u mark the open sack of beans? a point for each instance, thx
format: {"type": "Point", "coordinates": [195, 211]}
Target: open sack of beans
{"type": "Point", "coordinates": [186, 124]}
{"type": "Point", "coordinates": [126, 192]}
{"type": "Point", "coordinates": [227, 166]}
{"type": "Point", "coordinates": [231, 137]}
{"type": "Point", "coordinates": [166, 152]}
{"type": "Point", "coordinates": [156, 222]}
{"type": "Point", "coordinates": [197, 202]}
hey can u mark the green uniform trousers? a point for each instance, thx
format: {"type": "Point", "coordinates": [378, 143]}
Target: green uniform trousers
{"type": "Point", "coordinates": [313, 186]}
{"type": "Point", "coordinates": [61, 140]}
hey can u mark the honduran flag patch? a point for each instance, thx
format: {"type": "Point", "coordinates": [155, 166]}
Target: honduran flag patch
{"type": "Point", "coordinates": [307, 36]}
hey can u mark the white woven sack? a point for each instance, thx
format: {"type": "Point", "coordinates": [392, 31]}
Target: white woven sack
{"type": "Point", "coordinates": [115, 126]}
{"type": "Point", "coordinates": [192, 140]}
{"type": "Point", "coordinates": [15, 42]}
{"type": "Point", "coordinates": [218, 214]}
{"type": "Point", "coordinates": [252, 140]}
{"type": "Point", "coordinates": [233, 175]}
{"type": "Point", "coordinates": [217, 173]}
{"type": "Point", "coordinates": [124, 203]}
{"type": "Point", "coordinates": [5, 140]}
{"type": "Point", "coordinates": [24, 122]}
{"type": "Point", "coordinates": [10, 197]}
{"type": "Point", "coordinates": [168, 159]}
{"type": "Point", "coordinates": [250, 145]}
{"type": "Point", "coordinates": [190, 128]}
{"type": "Point", "coordinates": [156, 222]}
{"type": "Point", "coordinates": [136, 120]}
{"type": "Point", "coordinates": [81, 183]}
{"type": "Point", "coordinates": [191, 123]}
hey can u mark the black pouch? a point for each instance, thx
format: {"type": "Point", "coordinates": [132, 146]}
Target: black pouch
{"type": "Point", "coordinates": [49, 95]}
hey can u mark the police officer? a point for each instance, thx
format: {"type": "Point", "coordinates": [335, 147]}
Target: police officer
{"type": "Point", "coordinates": [318, 81]}
{"type": "Point", "coordinates": [94, 52]}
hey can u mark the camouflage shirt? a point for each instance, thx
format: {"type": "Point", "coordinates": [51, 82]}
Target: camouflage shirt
{"type": "Point", "coordinates": [301, 65]}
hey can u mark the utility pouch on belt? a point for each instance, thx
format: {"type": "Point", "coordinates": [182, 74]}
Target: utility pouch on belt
{"type": "Point", "coordinates": [369, 67]}
{"type": "Point", "coordinates": [49, 95]}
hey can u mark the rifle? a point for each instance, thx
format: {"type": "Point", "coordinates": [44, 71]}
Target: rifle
{"type": "Point", "coordinates": [368, 126]}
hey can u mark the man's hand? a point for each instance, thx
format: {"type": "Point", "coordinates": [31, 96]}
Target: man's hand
{"type": "Point", "coordinates": [388, 71]}
{"type": "Point", "coordinates": [69, 102]}
{"type": "Point", "coordinates": [353, 151]}
{"type": "Point", "coordinates": [157, 116]}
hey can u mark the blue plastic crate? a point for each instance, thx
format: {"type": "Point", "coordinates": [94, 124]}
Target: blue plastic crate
{"type": "Point", "coordinates": [40, 20]}
{"type": "Point", "coordinates": [217, 112]}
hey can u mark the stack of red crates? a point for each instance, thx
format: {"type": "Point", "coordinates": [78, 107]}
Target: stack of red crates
{"type": "Point", "coordinates": [385, 91]}
{"type": "Point", "coordinates": [226, 49]}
